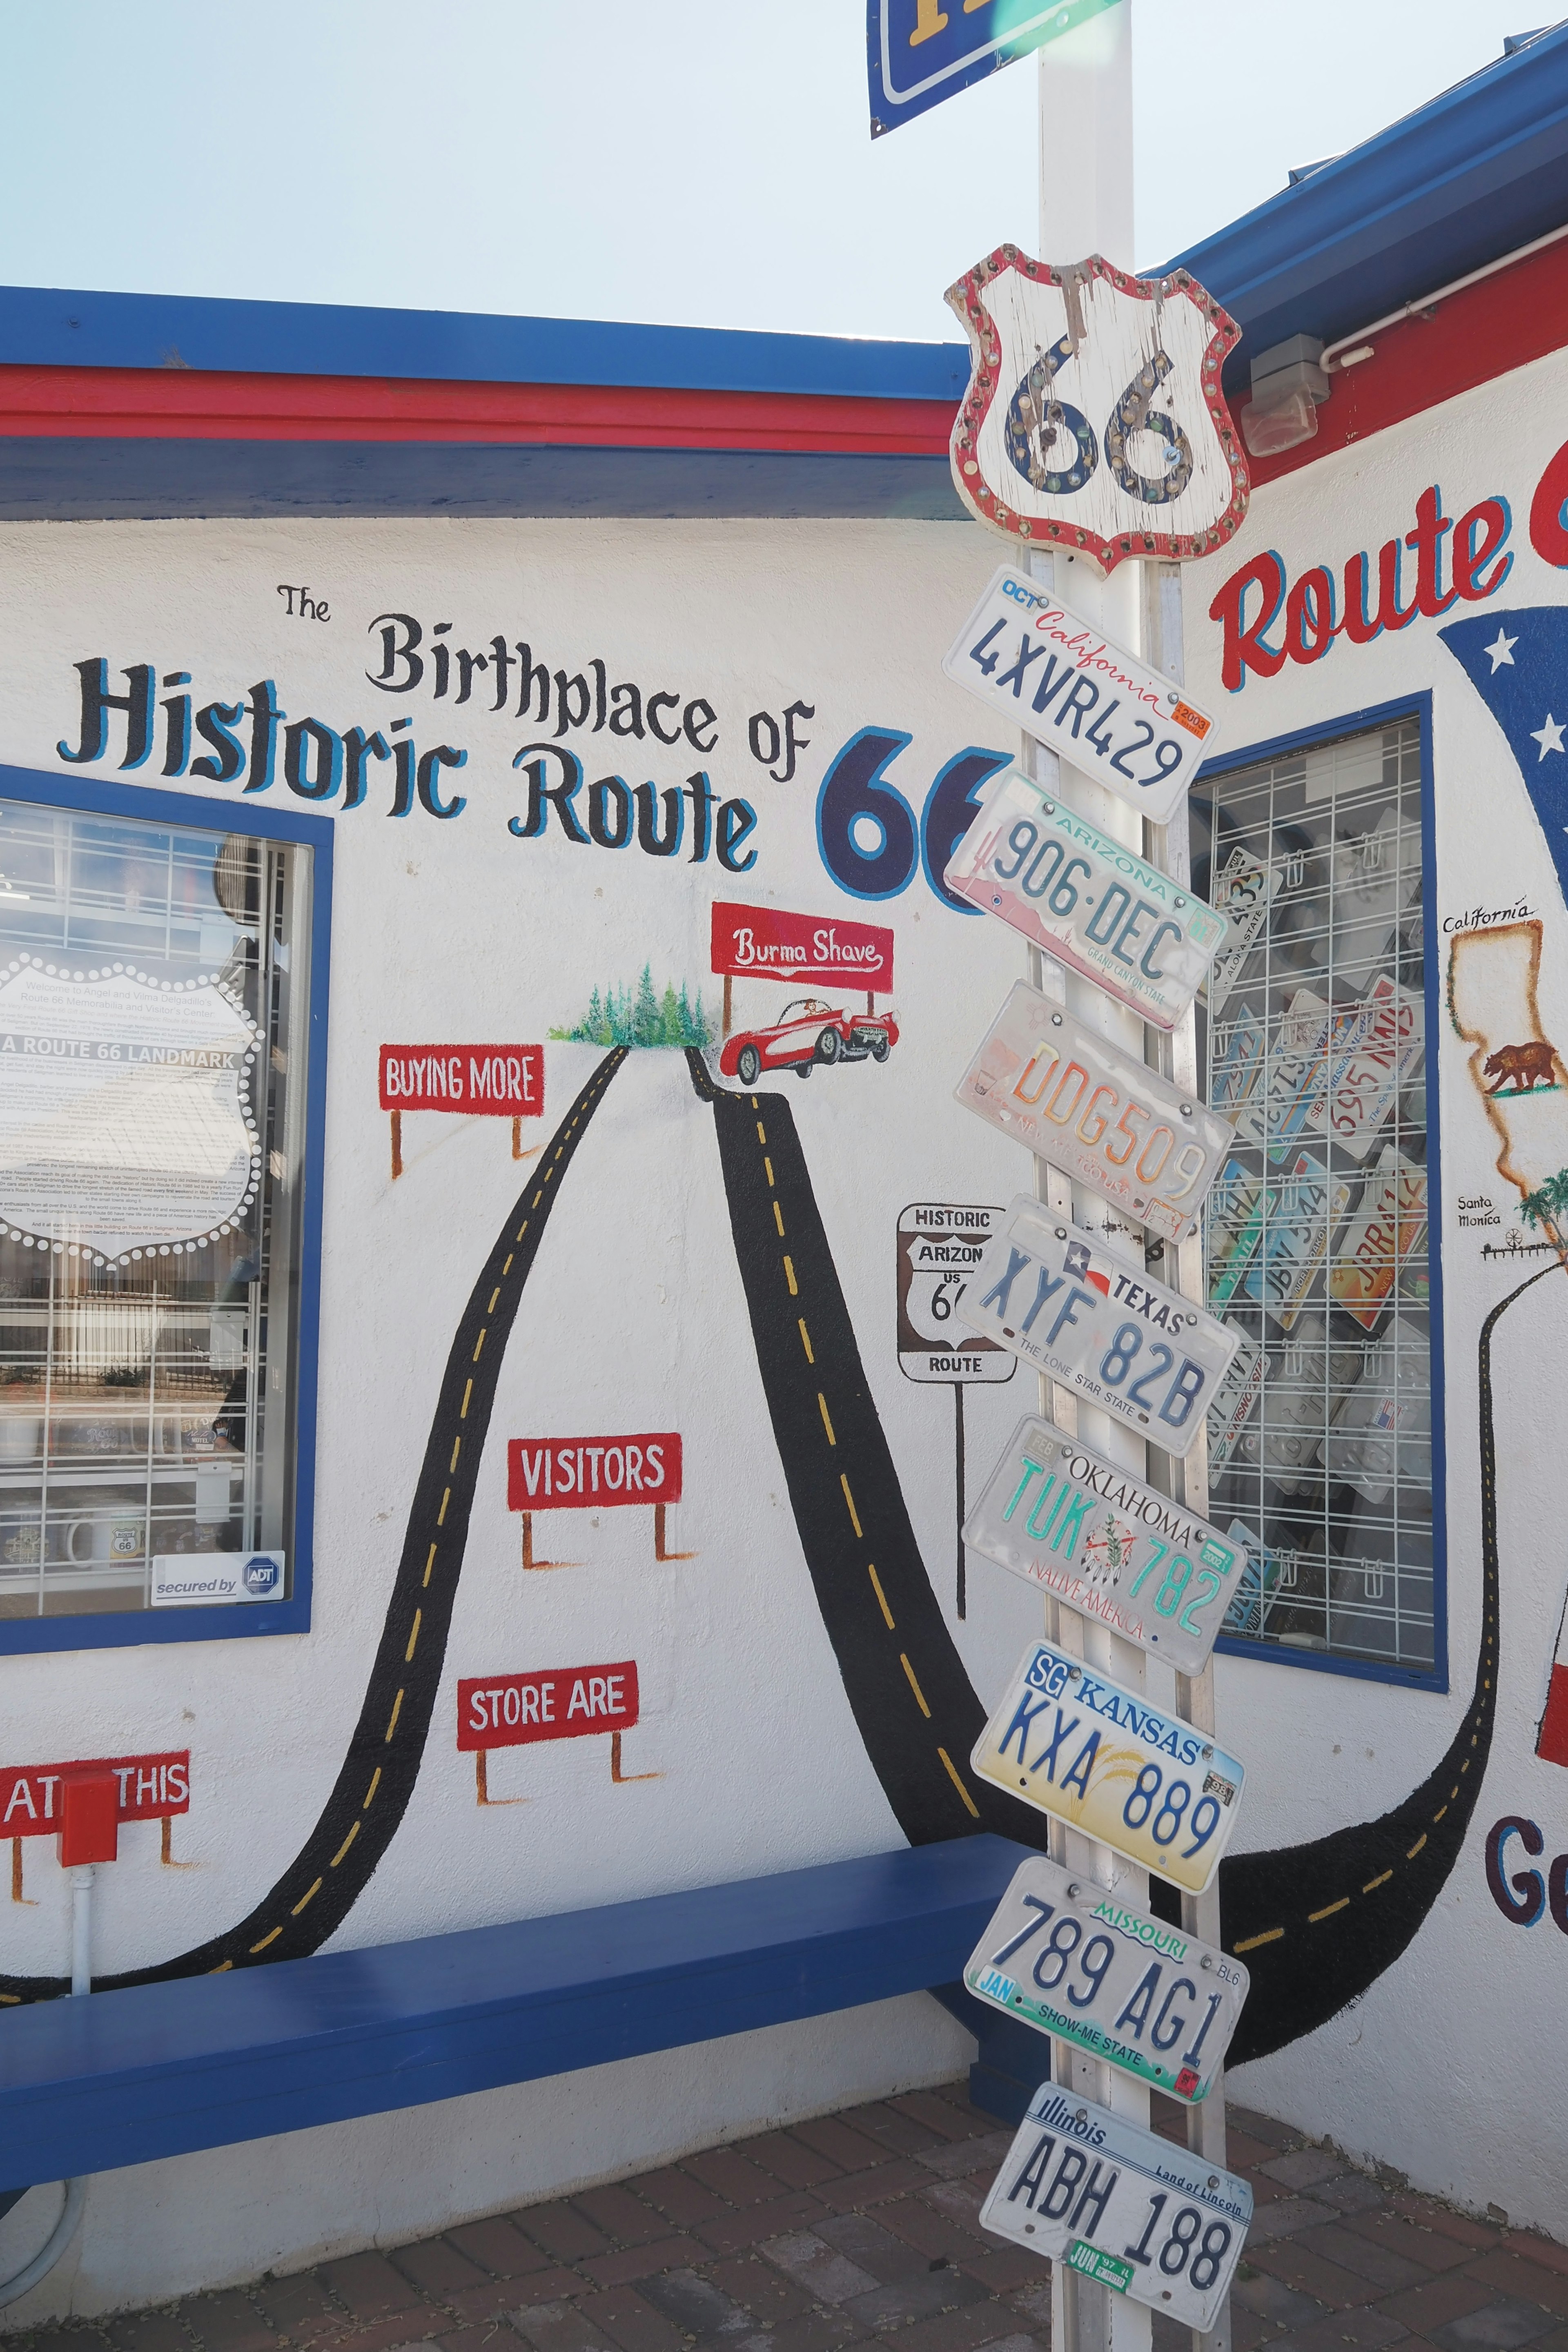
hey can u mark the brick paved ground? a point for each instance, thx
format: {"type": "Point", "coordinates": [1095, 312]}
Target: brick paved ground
{"type": "Point", "coordinates": [860, 2227]}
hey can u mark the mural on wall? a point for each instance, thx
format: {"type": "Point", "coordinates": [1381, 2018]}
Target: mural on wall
{"type": "Point", "coordinates": [1317, 1923]}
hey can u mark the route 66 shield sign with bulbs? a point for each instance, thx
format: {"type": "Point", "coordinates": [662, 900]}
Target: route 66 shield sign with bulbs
{"type": "Point", "coordinates": [1094, 418]}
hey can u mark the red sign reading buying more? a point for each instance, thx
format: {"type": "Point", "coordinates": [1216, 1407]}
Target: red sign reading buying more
{"type": "Point", "coordinates": [767, 943]}
{"type": "Point", "coordinates": [150, 1788]}
{"type": "Point", "coordinates": [577, 1474]}
{"type": "Point", "coordinates": [562, 1703]}
{"type": "Point", "coordinates": [478, 1081]}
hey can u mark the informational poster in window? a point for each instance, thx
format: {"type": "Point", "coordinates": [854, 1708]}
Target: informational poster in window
{"type": "Point", "coordinates": [125, 1118]}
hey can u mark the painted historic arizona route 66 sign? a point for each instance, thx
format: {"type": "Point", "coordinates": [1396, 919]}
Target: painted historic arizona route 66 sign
{"type": "Point", "coordinates": [1094, 418]}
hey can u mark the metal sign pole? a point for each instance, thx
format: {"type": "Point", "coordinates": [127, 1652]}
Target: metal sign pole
{"type": "Point", "coordinates": [1086, 161]}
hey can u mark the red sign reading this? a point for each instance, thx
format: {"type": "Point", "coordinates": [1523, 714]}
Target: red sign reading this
{"type": "Point", "coordinates": [150, 1788]}
{"type": "Point", "coordinates": [766, 943]}
{"type": "Point", "coordinates": [563, 1703]}
{"type": "Point", "coordinates": [480, 1081]}
{"type": "Point", "coordinates": [575, 1474]}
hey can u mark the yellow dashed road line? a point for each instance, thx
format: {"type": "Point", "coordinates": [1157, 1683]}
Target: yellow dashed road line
{"type": "Point", "coordinates": [920, 1695]}
{"type": "Point", "coordinates": [826, 1422]}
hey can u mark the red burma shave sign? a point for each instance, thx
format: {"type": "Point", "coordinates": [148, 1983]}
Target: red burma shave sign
{"type": "Point", "coordinates": [767, 943]}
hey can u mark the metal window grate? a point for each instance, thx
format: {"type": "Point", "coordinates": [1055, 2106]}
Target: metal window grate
{"type": "Point", "coordinates": [1316, 1234]}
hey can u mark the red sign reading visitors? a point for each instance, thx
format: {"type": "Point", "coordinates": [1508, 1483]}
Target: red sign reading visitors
{"type": "Point", "coordinates": [766, 943]}
{"type": "Point", "coordinates": [150, 1788]}
{"type": "Point", "coordinates": [575, 1474]}
{"type": "Point", "coordinates": [479, 1081]}
{"type": "Point", "coordinates": [562, 1703]}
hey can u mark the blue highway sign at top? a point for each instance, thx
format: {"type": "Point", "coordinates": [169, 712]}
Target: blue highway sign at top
{"type": "Point", "coordinates": [920, 51]}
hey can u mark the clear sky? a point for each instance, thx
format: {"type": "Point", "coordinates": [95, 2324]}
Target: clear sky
{"type": "Point", "coordinates": [664, 160]}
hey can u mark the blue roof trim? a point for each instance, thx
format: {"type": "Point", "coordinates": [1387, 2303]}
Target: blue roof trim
{"type": "Point", "coordinates": [1473, 175]}
{"type": "Point", "coordinates": [43, 327]}
{"type": "Point", "coordinates": [91, 480]}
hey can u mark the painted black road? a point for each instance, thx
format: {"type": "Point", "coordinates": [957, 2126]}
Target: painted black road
{"type": "Point", "coordinates": [1316, 1923]}
{"type": "Point", "coordinates": [376, 1779]}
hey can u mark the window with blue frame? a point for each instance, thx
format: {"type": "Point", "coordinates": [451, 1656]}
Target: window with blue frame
{"type": "Point", "coordinates": [1316, 1235]}
{"type": "Point", "coordinates": [157, 1220]}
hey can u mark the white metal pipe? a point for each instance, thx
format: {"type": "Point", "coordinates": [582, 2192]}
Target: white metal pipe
{"type": "Point", "coordinates": [1428, 301]}
{"type": "Point", "coordinates": [82, 1879]}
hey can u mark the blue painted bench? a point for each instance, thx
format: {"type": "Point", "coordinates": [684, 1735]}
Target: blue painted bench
{"type": "Point", "coordinates": [123, 2077]}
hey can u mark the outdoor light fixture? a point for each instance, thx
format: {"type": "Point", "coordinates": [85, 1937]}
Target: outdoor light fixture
{"type": "Point", "coordinates": [1288, 381]}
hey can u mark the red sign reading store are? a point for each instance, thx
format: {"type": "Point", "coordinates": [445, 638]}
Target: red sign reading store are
{"type": "Point", "coordinates": [766, 943]}
{"type": "Point", "coordinates": [563, 1703]}
{"type": "Point", "coordinates": [148, 1789]}
{"type": "Point", "coordinates": [479, 1081]}
{"type": "Point", "coordinates": [577, 1474]}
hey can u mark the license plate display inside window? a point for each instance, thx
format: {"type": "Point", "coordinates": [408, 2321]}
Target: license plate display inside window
{"type": "Point", "coordinates": [1316, 1233]}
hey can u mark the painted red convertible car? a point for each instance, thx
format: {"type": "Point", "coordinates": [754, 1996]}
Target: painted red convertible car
{"type": "Point", "coordinates": [808, 1032]}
